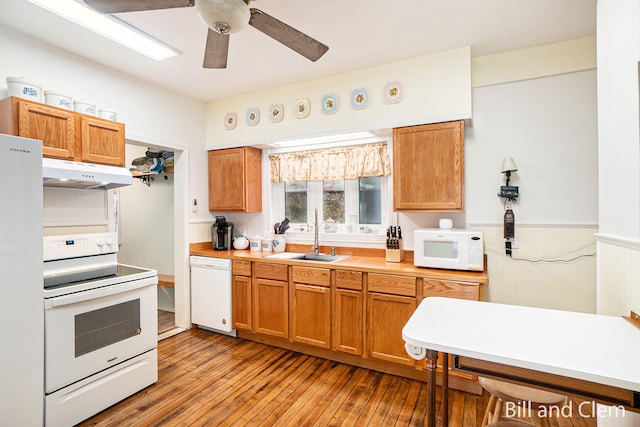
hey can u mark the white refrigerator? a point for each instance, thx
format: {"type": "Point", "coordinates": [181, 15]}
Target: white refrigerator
{"type": "Point", "coordinates": [21, 288]}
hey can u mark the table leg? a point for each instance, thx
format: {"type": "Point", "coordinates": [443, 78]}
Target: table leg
{"type": "Point", "coordinates": [445, 389]}
{"type": "Point", "coordinates": [432, 363]}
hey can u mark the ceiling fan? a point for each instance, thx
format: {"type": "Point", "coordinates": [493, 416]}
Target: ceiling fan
{"type": "Point", "coordinates": [223, 18]}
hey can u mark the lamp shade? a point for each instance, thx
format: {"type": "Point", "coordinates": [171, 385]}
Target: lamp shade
{"type": "Point", "coordinates": [225, 16]}
{"type": "Point", "coordinates": [508, 165]}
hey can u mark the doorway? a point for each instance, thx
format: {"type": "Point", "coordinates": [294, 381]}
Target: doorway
{"type": "Point", "coordinates": [153, 230]}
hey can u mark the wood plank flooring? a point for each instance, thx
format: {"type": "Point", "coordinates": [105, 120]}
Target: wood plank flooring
{"type": "Point", "coordinates": [208, 379]}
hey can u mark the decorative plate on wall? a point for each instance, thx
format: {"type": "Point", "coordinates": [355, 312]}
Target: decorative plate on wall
{"type": "Point", "coordinates": [301, 108]}
{"type": "Point", "coordinates": [276, 113]}
{"type": "Point", "coordinates": [230, 120]}
{"type": "Point", "coordinates": [392, 93]}
{"type": "Point", "coordinates": [253, 116]}
{"type": "Point", "coordinates": [359, 99]}
{"type": "Point", "coordinates": [330, 103]}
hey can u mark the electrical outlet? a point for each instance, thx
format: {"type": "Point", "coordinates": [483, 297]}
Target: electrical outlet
{"type": "Point", "coordinates": [515, 242]}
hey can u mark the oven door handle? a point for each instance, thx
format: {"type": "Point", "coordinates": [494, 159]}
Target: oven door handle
{"type": "Point", "coordinates": [99, 292]}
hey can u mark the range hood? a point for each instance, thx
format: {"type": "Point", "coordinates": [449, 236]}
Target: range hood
{"type": "Point", "coordinates": [68, 174]}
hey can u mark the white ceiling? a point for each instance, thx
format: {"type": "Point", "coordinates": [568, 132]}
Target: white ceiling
{"type": "Point", "coordinates": [359, 33]}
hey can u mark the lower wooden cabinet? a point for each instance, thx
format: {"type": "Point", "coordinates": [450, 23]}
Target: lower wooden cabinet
{"type": "Point", "coordinates": [241, 295]}
{"type": "Point", "coordinates": [271, 307]}
{"type": "Point", "coordinates": [347, 326]}
{"type": "Point", "coordinates": [310, 306]}
{"type": "Point", "coordinates": [311, 314]}
{"type": "Point", "coordinates": [322, 311]}
{"type": "Point", "coordinates": [386, 316]}
{"type": "Point", "coordinates": [348, 316]}
{"type": "Point", "coordinates": [241, 302]}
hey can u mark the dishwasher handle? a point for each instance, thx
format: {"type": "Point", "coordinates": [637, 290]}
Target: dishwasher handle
{"type": "Point", "coordinates": [211, 263]}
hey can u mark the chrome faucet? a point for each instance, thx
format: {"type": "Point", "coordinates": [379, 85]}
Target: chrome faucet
{"type": "Point", "coordinates": [315, 234]}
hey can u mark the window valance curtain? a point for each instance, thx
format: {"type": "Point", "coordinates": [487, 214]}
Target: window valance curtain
{"type": "Point", "coordinates": [353, 162]}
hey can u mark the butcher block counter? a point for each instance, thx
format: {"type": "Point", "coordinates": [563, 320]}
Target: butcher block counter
{"type": "Point", "coordinates": [365, 260]}
{"type": "Point", "coordinates": [351, 310]}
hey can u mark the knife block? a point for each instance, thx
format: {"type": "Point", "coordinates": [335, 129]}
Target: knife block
{"type": "Point", "coordinates": [395, 255]}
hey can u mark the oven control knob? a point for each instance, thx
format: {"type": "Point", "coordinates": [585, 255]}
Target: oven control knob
{"type": "Point", "coordinates": [109, 242]}
{"type": "Point", "coordinates": [100, 242]}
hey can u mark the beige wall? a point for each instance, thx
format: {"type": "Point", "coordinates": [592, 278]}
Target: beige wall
{"type": "Point", "coordinates": [556, 285]}
{"type": "Point", "coordinates": [436, 88]}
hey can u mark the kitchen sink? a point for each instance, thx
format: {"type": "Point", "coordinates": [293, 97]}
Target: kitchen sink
{"type": "Point", "coordinates": [309, 256]}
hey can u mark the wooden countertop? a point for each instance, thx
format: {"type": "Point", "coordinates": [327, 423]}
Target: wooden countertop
{"type": "Point", "coordinates": [366, 260]}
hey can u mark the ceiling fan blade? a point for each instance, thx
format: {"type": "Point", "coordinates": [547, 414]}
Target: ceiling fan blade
{"type": "Point", "coordinates": [303, 44]}
{"type": "Point", "coordinates": [215, 54]}
{"type": "Point", "coordinates": [118, 6]}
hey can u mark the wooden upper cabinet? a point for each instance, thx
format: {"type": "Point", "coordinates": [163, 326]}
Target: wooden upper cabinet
{"type": "Point", "coordinates": [55, 127]}
{"type": "Point", "coordinates": [428, 171]}
{"type": "Point", "coordinates": [235, 180]}
{"type": "Point", "coordinates": [102, 141]}
{"type": "Point", "coordinates": [64, 134]}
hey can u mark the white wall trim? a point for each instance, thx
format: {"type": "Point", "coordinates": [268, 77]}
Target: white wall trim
{"type": "Point", "coordinates": [618, 241]}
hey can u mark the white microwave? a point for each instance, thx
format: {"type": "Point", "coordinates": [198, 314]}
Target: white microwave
{"type": "Point", "coordinates": [448, 248]}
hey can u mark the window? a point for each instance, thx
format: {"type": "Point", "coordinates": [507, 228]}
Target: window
{"type": "Point", "coordinates": [295, 201]}
{"type": "Point", "coordinates": [333, 200]}
{"type": "Point", "coordinates": [354, 202]}
{"type": "Point", "coordinates": [347, 184]}
{"type": "Point", "coordinates": [370, 200]}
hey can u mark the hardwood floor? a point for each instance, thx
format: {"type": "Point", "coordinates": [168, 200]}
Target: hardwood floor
{"type": "Point", "coordinates": [208, 379]}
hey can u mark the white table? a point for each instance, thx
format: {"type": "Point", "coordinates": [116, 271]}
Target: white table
{"type": "Point", "coordinates": [588, 348]}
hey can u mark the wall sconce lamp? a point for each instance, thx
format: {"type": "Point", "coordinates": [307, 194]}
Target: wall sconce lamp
{"type": "Point", "coordinates": [507, 191]}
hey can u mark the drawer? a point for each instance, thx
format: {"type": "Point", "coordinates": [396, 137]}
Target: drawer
{"type": "Point", "coordinates": [349, 280]}
{"type": "Point", "coordinates": [390, 284]}
{"type": "Point", "coordinates": [442, 288]}
{"type": "Point", "coordinates": [241, 268]}
{"type": "Point", "coordinates": [311, 275]}
{"type": "Point", "coordinates": [265, 270]}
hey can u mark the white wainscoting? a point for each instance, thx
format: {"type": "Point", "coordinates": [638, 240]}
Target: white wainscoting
{"type": "Point", "coordinates": [618, 278]}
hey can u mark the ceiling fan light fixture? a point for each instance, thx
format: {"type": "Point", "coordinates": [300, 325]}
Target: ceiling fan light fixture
{"type": "Point", "coordinates": [224, 16]}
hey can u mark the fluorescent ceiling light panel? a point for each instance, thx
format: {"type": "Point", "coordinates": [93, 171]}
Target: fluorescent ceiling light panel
{"type": "Point", "coordinates": [114, 29]}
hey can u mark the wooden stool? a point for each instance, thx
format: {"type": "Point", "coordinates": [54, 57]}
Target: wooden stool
{"type": "Point", "coordinates": [507, 392]}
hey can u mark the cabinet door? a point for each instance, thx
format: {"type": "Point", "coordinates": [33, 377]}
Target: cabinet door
{"type": "Point", "coordinates": [449, 289]}
{"type": "Point", "coordinates": [270, 307]}
{"type": "Point", "coordinates": [241, 297]}
{"type": "Point", "coordinates": [386, 316]}
{"type": "Point", "coordinates": [102, 141]}
{"type": "Point", "coordinates": [235, 180]}
{"type": "Point", "coordinates": [428, 173]}
{"type": "Point", "coordinates": [347, 330]}
{"type": "Point", "coordinates": [311, 314]}
{"type": "Point", "coordinates": [53, 126]}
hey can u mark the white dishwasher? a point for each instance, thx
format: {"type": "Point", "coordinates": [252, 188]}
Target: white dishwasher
{"type": "Point", "coordinates": [211, 294]}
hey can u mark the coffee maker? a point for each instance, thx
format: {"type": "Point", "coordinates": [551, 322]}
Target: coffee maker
{"type": "Point", "coordinates": [221, 234]}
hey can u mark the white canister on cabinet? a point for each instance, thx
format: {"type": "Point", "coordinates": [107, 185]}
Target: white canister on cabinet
{"type": "Point", "coordinates": [58, 99]}
{"type": "Point", "coordinates": [24, 88]}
